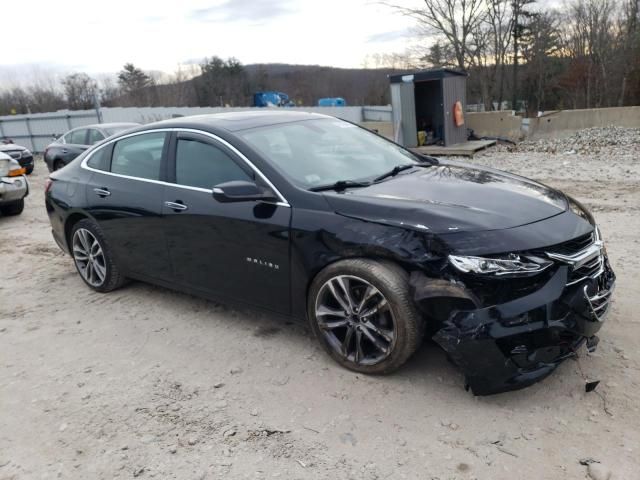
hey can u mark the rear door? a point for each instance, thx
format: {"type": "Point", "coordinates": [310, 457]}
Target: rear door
{"type": "Point", "coordinates": [125, 197]}
{"type": "Point", "coordinates": [238, 251]}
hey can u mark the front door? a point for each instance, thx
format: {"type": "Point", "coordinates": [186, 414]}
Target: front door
{"type": "Point", "coordinates": [237, 251]}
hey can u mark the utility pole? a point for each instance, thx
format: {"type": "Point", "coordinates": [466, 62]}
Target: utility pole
{"type": "Point", "coordinates": [96, 106]}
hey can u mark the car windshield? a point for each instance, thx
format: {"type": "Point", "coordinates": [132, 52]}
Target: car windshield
{"type": "Point", "coordinates": [324, 151]}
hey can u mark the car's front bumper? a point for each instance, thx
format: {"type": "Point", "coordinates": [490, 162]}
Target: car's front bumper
{"type": "Point", "coordinates": [13, 189]}
{"type": "Point", "coordinates": [512, 345]}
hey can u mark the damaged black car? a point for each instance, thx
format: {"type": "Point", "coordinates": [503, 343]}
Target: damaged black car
{"type": "Point", "coordinates": [310, 216]}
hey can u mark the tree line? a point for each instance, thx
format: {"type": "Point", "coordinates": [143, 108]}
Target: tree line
{"type": "Point", "coordinates": [584, 54]}
{"type": "Point", "coordinates": [213, 82]}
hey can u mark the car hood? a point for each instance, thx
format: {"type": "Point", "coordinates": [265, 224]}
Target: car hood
{"type": "Point", "coordinates": [451, 197]}
{"type": "Point", "coordinates": [8, 147]}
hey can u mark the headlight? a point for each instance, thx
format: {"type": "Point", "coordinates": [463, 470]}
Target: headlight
{"type": "Point", "coordinates": [511, 265]}
{"type": "Point", "coordinates": [26, 153]}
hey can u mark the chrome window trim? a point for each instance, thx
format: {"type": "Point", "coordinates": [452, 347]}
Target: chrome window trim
{"type": "Point", "coordinates": [283, 201]}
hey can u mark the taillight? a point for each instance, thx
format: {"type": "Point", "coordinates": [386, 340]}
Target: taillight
{"type": "Point", "coordinates": [48, 183]}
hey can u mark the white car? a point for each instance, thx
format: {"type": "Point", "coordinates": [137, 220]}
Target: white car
{"type": "Point", "coordinates": [13, 186]}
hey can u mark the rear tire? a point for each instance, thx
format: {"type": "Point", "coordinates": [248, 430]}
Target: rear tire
{"type": "Point", "coordinates": [57, 165]}
{"type": "Point", "coordinates": [14, 208]}
{"type": "Point", "coordinates": [93, 257]}
{"type": "Point", "coordinates": [386, 327]}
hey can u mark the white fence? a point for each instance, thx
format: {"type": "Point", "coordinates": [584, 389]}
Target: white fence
{"type": "Point", "coordinates": [36, 131]}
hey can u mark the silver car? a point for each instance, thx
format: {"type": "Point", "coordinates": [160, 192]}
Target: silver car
{"type": "Point", "coordinates": [13, 186]}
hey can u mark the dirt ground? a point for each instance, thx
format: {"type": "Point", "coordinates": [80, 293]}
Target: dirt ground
{"type": "Point", "coordinates": [144, 382]}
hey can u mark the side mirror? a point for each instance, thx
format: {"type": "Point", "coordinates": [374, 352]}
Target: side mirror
{"type": "Point", "coordinates": [242, 191]}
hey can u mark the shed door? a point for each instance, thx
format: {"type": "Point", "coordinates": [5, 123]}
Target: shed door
{"type": "Point", "coordinates": [404, 114]}
{"type": "Point", "coordinates": [454, 90]}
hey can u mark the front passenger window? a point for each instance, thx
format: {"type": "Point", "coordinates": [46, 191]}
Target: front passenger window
{"type": "Point", "coordinates": [139, 156]}
{"type": "Point", "coordinates": [203, 165]}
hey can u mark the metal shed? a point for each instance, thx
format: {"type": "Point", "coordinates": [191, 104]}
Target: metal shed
{"type": "Point", "coordinates": [425, 101]}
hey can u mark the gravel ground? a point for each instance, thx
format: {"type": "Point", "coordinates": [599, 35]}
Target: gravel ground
{"type": "Point", "coordinates": [148, 383]}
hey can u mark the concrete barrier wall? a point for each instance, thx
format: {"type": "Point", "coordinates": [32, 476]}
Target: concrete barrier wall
{"type": "Point", "coordinates": [495, 124]}
{"type": "Point", "coordinates": [565, 122]}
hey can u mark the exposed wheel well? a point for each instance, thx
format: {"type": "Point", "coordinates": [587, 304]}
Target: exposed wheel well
{"type": "Point", "coordinates": [68, 226]}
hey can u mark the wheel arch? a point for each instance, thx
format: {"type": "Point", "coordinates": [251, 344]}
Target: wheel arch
{"type": "Point", "coordinates": [385, 260]}
{"type": "Point", "coordinates": [70, 221]}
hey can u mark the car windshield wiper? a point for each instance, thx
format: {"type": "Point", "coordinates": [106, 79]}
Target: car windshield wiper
{"type": "Point", "coordinates": [399, 168]}
{"type": "Point", "coordinates": [394, 171]}
{"type": "Point", "coordinates": [340, 185]}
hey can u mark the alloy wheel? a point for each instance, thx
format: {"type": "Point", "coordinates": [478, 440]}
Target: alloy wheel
{"type": "Point", "coordinates": [89, 257]}
{"type": "Point", "coordinates": [355, 319]}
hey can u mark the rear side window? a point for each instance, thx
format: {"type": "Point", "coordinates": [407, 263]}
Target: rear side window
{"type": "Point", "coordinates": [139, 156]}
{"type": "Point", "coordinates": [95, 136]}
{"type": "Point", "coordinates": [100, 159]}
{"type": "Point", "coordinates": [79, 137]}
{"type": "Point", "coordinates": [200, 164]}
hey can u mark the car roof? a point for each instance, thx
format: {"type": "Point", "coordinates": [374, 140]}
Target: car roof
{"type": "Point", "coordinates": [108, 125]}
{"type": "Point", "coordinates": [236, 121]}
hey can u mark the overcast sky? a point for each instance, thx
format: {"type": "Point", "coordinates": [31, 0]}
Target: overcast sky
{"type": "Point", "coordinates": [96, 37]}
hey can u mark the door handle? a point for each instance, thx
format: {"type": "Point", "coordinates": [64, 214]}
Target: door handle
{"type": "Point", "coordinates": [102, 192]}
{"type": "Point", "coordinates": [64, 151]}
{"type": "Point", "coordinates": [176, 206]}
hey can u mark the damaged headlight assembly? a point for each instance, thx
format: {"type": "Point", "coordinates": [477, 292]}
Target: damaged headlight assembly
{"type": "Point", "coordinates": [511, 265]}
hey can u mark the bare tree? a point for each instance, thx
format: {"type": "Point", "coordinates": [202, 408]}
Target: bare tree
{"type": "Point", "coordinates": [629, 42]}
{"type": "Point", "coordinates": [500, 20]}
{"type": "Point", "coordinates": [520, 16]}
{"type": "Point", "coordinates": [590, 43]}
{"type": "Point", "coordinates": [80, 91]}
{"type": "Point", "coordinates": [541, 53]}
{"type": "Point", "coordinates": [452, 20]}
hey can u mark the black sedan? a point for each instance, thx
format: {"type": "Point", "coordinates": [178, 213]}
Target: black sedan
{"type": "Point", "coordinates": [68, 146]}
{"type": "Point", "coordinates": [19, 153]}
{"type": "Point", "coordinates": [310, 216]}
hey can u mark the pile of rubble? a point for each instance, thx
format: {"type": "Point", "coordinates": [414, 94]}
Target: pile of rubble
{"type": "Point", "coordinates": [587, 141]}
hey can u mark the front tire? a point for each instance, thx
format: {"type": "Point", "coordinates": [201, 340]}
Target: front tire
{"type": "Point", "coordinates": [57, 165]}
{"type": "Point", "coordinates": [93, 258]}
{"type": "Point", "coordinates": [362, 313]}
{"type": "Point", "coordinates": [14, 208]}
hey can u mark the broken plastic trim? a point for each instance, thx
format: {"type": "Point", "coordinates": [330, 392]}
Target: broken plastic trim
{"type": "Point", "coordinates": [512, 345]}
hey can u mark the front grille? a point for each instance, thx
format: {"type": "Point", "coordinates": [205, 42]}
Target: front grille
{"type": "Point", "coordinates": [584, 255]}
{"type": "Point", "coordinates": [572, 246]}
{"type": "Point", "coordinates": [591, 268]}
{"type": "Point", "coordinates": [598, 303]}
